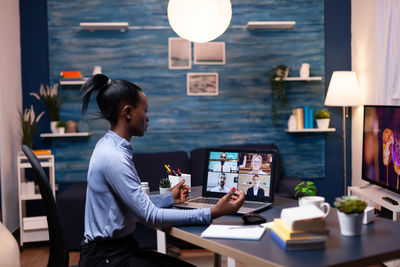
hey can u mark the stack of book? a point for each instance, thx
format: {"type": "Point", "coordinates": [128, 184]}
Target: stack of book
{"type": "Point", "coordinates": [304, 117]}
{"type": "Point", "coordinates": [300, 228]}
{"type": "Point", "coordinates": [71, 76]}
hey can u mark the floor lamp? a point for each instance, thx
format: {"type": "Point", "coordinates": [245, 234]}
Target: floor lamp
{"type": "Point", "coordinates": [343, 92]}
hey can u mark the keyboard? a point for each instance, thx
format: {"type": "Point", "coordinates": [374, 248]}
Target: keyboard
{"type": "Point", "coordinates": [214, 201]}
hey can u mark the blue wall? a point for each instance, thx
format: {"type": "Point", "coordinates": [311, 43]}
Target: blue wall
{"type": "Point", "coordinates": [244, 101]}
{"type": "Point", "coordinates": [241, 113]}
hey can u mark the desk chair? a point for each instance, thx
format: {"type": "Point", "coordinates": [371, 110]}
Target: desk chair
{"type": "Point", "coordinates": [59, 253]}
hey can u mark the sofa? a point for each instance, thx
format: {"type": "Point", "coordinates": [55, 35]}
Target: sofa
{"type": "Point", "coordinates": [150, 167]}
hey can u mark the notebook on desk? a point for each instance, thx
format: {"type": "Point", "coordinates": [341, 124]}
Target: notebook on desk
{"type": "Point", "coordinates": [250, 170]}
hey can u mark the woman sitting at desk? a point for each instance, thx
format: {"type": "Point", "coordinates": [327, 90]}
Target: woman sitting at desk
{"type": "Point", "coordinates": [115, 199]}
{"type": "Point", "coordinates": [256, 164]}
{"type": "Point", "coordinates": [255, 190]}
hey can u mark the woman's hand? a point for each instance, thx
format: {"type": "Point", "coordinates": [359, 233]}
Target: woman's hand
{"type": "Point", "coordinates": [228, 204]}
{"type": "Point", "coordinates": [180, 192]}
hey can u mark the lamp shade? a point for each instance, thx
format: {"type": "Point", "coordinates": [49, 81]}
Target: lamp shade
{"type": "Point", "coordinates": [343, 90]}
{"type": "Point", "coordinates": [199, 21]}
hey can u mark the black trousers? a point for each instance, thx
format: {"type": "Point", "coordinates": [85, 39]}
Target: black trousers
{"type": "Point", "coordinates": [123, 252]}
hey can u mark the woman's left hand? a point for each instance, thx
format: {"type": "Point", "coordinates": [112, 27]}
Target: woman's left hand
{"type": "Point", "coordinates": [180, 192]}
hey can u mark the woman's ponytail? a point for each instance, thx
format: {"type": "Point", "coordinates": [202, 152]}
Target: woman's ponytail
{"type": "Point", "coordinates": [96, 82]}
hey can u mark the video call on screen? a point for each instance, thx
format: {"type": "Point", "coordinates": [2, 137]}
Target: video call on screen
{"type": "Point", "coordinates": [250, 172]}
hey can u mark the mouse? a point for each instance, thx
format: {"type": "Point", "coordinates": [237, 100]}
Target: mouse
{"type": "Point", "coordinates": [253, 218]}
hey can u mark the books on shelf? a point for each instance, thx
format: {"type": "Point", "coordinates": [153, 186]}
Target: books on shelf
{"type": "Point", "coordinates": [304, 117]}
{"type": "Point", "coordinates": [71, 75]}
{"type": "Point", "coordinates": [300, 228]}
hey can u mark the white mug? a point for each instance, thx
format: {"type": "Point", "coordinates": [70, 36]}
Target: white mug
{"type": "Point", "coordinates": [305, 70]}
{"type": "Point", "coordinates": [317, 201]}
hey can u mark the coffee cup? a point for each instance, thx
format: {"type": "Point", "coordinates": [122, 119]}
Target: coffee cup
{"type": "Point", "coordinates": [317, 201]}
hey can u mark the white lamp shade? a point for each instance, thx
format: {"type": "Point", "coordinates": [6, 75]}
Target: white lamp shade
{"type": "Point", "coordinates": [199, 21]}
{"type": "Point", "coordinates": [343, 90]}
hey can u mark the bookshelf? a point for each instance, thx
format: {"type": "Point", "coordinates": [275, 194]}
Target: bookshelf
{"type": "Point", "coordinates": [78, 134]}
{"type": "Point", "coordinates": [104, 26]}
{"type": "Point", "coordinates": [312, 130]}
{"type": "Point", "coordinates": [266, 25]}
{"type": "Point", "coordinates": [300, 79]}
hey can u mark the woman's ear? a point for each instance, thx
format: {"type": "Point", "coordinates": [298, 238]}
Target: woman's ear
{"type": "Point", "coordinates": [127, 112]}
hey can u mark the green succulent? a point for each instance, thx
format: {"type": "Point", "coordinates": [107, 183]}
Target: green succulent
{"type": "Point", "coordinates": [61, 124]}
{"type": "Point", "coordinates": [350, 204]}
{"type": "Point", "coordinates": [305, 189]}
{"type": "Point", "coordinates": [165, 183]}
{"type": "Point", "coordinates": [322, 114]}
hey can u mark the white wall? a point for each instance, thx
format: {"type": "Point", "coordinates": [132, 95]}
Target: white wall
{"type": "Point", "coordinates": [10, 103]}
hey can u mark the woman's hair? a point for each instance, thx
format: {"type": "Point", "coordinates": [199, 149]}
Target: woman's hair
{"type": "Point", "coordinates": [256, 156]}
{"type": "Point", "coordinates": [111, 96]}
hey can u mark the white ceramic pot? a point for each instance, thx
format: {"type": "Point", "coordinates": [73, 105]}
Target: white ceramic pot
{"type": "Point", "coordinates": [164, 190]}
{"type": "Point", "coordinates": [350, 224]}
{"type": "Point", "coordinates": [61, 130]}
{"type": "Point", "coordinates": [53, 126]}
{"type": "Point", "coordinates": [323, 123]}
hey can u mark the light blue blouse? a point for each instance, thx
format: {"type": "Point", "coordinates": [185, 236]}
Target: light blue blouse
{"type": "Point", "coordinates": [115, 200]}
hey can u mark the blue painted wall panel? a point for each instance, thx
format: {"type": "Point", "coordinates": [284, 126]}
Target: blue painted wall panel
{"type": "Point", "coordinates": [241, 113]}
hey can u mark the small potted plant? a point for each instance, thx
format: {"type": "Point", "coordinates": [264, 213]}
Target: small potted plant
{"type": "Point", "coordinates": [350, 213]}
{"type": "Point", "coordinates": [306, 192]}
{"type": "Point", "coordinates": [165, 185]}
{"type": "Point", "coordinates": [29, 122]}
{"type": "Point", "coordinates": [323, 118]}
{"type": "Point", "coordinates": [61, 127]}
{"type": "Point", "coordinates": [49, 95]}
{"type": "Point", "coordinates": [305, 189]}
{"type": "Point", "coordinates": [278, 86]}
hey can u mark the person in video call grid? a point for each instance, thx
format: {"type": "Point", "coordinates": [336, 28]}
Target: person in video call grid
{"type": "Point", "coordinates": [222, 166]}
{"type": "Point", "coordinates": [221, 187]}
{"type": "Point", "coordinates": [255, 190]}
{"type": "Point", "coordinates": [115, 200]}
{"type": "Point", "coordinates": [256, 163]}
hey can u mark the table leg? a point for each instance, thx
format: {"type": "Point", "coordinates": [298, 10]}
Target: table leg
{"type": "Point", "coordinates": [161, 242]}
{"type": "Point", "coordinates": [230, 262]}
{"type": "Point", "coordinates": [217, 260]}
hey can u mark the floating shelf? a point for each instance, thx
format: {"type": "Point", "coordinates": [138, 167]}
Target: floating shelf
{"type": "Point", "coordinates": [79, 134]}
{"type": "Point", "coordinates": [312, 130]}
{"type": "Point", "coordinates": [104, 26]}
{"type": "Point", "coordinates": [300, 79]}
{"type": "Point", "coordinates": [256, 25]}
{"type": "Point", "coordinates": [73, 82]}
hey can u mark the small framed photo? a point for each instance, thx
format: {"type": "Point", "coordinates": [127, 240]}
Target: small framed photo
{"type": "Point", "coordinates": [202, 83]}
{"type": "Point", "coordinates": [212, 53]}
{"type": "Point", "coordinates": [179, 53]}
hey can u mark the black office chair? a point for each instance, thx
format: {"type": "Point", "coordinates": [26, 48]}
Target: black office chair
{"type": "Point", "coordinates": [59, 253]}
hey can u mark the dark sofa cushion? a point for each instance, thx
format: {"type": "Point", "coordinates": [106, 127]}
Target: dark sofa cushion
{"type": "Point", "coordinates": [150, 166]}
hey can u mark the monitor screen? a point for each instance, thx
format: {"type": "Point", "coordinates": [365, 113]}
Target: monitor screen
{"type": "Point", "coordinates": [381, 146]}
{"type": "Point", "coordinates": [247, 171]}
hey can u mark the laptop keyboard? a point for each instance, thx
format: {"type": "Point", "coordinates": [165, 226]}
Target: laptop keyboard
{"type": "Point", "coordinates": [214, 201]}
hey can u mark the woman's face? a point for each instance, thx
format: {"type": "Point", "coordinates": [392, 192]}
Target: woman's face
{"type": "Point", "coordinates": [256, 181]}
{"type": "Point", "coordinates": [139, 119]}
{"type": "Point", "coordinates": [256, 163]}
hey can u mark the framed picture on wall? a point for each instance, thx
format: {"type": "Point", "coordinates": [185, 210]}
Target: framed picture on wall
{"type": "Point", "coordinates": [202, 83]}
{"type": "Point", "coordinates": [179, 53]}
{"type": "Point", "coordinates": [212, 53]}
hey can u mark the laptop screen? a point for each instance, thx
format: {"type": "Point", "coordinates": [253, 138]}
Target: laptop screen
{"type": "Point", "coordinates": [249, 170]}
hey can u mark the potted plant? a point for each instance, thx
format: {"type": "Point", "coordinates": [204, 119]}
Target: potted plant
{"type": "Point", "coordinates": [323, 118]}
{"type": "Point", "coordinates": [350, 213]}
{"type": "Point", "coordinates": [278, 86]}
{"type": "Point", "coordinates": [305, 189]}
{"type": "Point", "coordinates": [28, 125]}
{"type": "Point", "coordinates": [61, 127]}
{"type": "Point", "coordinates": [165, 185]}
{"type": "Point", "coordinates": [49, 95]}
{"type": "Point", "coordinates": [307, 195]}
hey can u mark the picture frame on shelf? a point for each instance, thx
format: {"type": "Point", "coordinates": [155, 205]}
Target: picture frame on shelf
{"type": "Point", "coordinates": [211, 53]}
{"type": "Point", "coordinates": [179, 53]}
{"type": "Point", "coordinates": [202, 84]}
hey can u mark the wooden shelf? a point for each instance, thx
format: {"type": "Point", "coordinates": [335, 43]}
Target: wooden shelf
{"type": "Point", "coordinates": [300, 79]}
{"type": "Point", "coordinates": [104, 26]}
{"type": "Point", "coordinates": [312, 130]}
{"type": "Point", "coordinates": [79, 134]}
{"type": "Point", "coordinates": [73, 82]}
{"type": "Point", "coordinates": [259, 25]}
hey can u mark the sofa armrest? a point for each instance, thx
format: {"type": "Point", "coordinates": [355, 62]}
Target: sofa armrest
{"type": "Point", "coordinates": [287, 185]}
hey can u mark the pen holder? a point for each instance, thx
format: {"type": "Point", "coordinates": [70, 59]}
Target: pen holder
{"type": "Point", "coordinates": [176, 179]}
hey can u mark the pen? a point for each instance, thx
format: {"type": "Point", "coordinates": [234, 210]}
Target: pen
{"type": "Point", "coordinates": [169, 171]}
{"type": "Point", "coordinates": [179, 172]}
{"type": "Point", "coordinates": [174, 172]}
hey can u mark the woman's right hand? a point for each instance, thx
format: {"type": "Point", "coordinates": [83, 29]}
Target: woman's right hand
{"type": "Point", "coordinates": [228, 204]}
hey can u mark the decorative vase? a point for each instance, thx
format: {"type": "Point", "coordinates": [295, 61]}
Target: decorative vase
{"type": "Point", "coordinates": [292, 123]}
{"type": "Point", "coordinates": [323, 123]}
{"type": "Point", "coordinates": [305, 70]}
{"type": "Point", "coordinates": [164, 190]}
{"type": "Point", "coordinates": [350, 224]}
{"type": "Point", "coordinates": [53, 126]}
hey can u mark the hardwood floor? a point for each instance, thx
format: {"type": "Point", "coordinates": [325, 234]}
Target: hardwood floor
{"type": "Point", "coordinates": [37, 256]}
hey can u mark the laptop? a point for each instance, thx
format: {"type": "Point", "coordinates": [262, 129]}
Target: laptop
{"type": "Point", "coordinates": [250, 170]}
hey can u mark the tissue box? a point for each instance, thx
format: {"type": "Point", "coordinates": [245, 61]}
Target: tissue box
{"type": "Point", "coordinates": [176, 179]}
{"type": "Point", "coordinates": [368, 215]}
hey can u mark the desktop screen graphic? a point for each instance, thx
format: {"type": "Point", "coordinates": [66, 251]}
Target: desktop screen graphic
{"type": "Point", "coordinates": [381, 146]}
{"type": "Point", "coordinates": [250, 172]}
